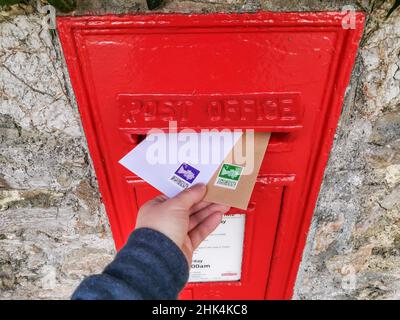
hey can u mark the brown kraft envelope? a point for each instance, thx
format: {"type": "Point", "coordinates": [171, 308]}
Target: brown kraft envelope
{"type": "Point", "coordinates": [225, 187]}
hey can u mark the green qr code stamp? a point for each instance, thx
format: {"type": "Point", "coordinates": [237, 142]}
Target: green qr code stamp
{"type": "Point", "coordinates": [228, 176]}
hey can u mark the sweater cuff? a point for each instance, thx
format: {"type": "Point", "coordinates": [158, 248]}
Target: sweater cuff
{"type": "Point", "coordinates": [163, 266]}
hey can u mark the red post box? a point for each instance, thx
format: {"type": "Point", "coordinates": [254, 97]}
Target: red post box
{"type": "Point", "coordinates": [284, 73]}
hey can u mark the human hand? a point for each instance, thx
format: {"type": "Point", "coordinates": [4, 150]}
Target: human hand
{"type": "Point", "coordinates": [185, 219]}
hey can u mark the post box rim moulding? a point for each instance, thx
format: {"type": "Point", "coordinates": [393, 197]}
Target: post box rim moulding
{"type": "Point", "coordinates": [279, 72]}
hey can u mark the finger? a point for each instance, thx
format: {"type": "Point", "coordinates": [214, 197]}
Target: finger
{"type": "Point", "coordinates": [199, 206]}
{"type": "Point", "coordinates": [198, 234]}
{"type": "Point", "coordinates": [189, 197]}
{"type": "Point", "coordinates": [198, 217]}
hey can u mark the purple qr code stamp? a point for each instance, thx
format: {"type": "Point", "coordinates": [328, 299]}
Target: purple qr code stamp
{"type": "Point", "coordinates": [184, 176]}
{"type": "Point", "coordinates": [187, 172]}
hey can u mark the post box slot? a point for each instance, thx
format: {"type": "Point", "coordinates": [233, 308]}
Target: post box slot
{"type": "Point", "coordinates": [279, 141]}
{"type": "Point", "coordinates": [134, 139]}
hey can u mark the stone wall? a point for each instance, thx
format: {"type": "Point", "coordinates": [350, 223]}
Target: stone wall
{"type": "Point", "coordinates": [53, 227]}
{"type": "Point", "coordinates": [353, 248]}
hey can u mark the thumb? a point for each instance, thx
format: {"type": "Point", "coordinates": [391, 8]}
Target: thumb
{"type": "Point", "coordinates": [189, 197]}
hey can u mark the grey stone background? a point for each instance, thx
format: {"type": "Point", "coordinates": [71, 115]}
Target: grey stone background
{"type": "Point", "coordinates": [53, 227]}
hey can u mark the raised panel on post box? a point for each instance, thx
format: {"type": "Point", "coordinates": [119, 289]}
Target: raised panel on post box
{"type": "Point", "coordinates": [284, 73]}
{"type": "Point", "coordinates": [260, 227]}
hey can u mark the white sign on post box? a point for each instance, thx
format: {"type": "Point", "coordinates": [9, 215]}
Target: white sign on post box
{"type": "Point", "coordinates": [219, 256]}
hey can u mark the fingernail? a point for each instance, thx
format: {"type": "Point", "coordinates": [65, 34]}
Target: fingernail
{"type": "Point", "coordinates": [199, 186]}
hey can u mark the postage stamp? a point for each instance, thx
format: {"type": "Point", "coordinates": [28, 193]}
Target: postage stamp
{"type": "Point", "coordinates": [228, 176]}
{"type": "Point", "coordinates": [184, 176]}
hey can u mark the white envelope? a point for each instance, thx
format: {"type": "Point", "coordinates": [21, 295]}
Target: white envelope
{"type": "Point", "coordinates": [172, 162]}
